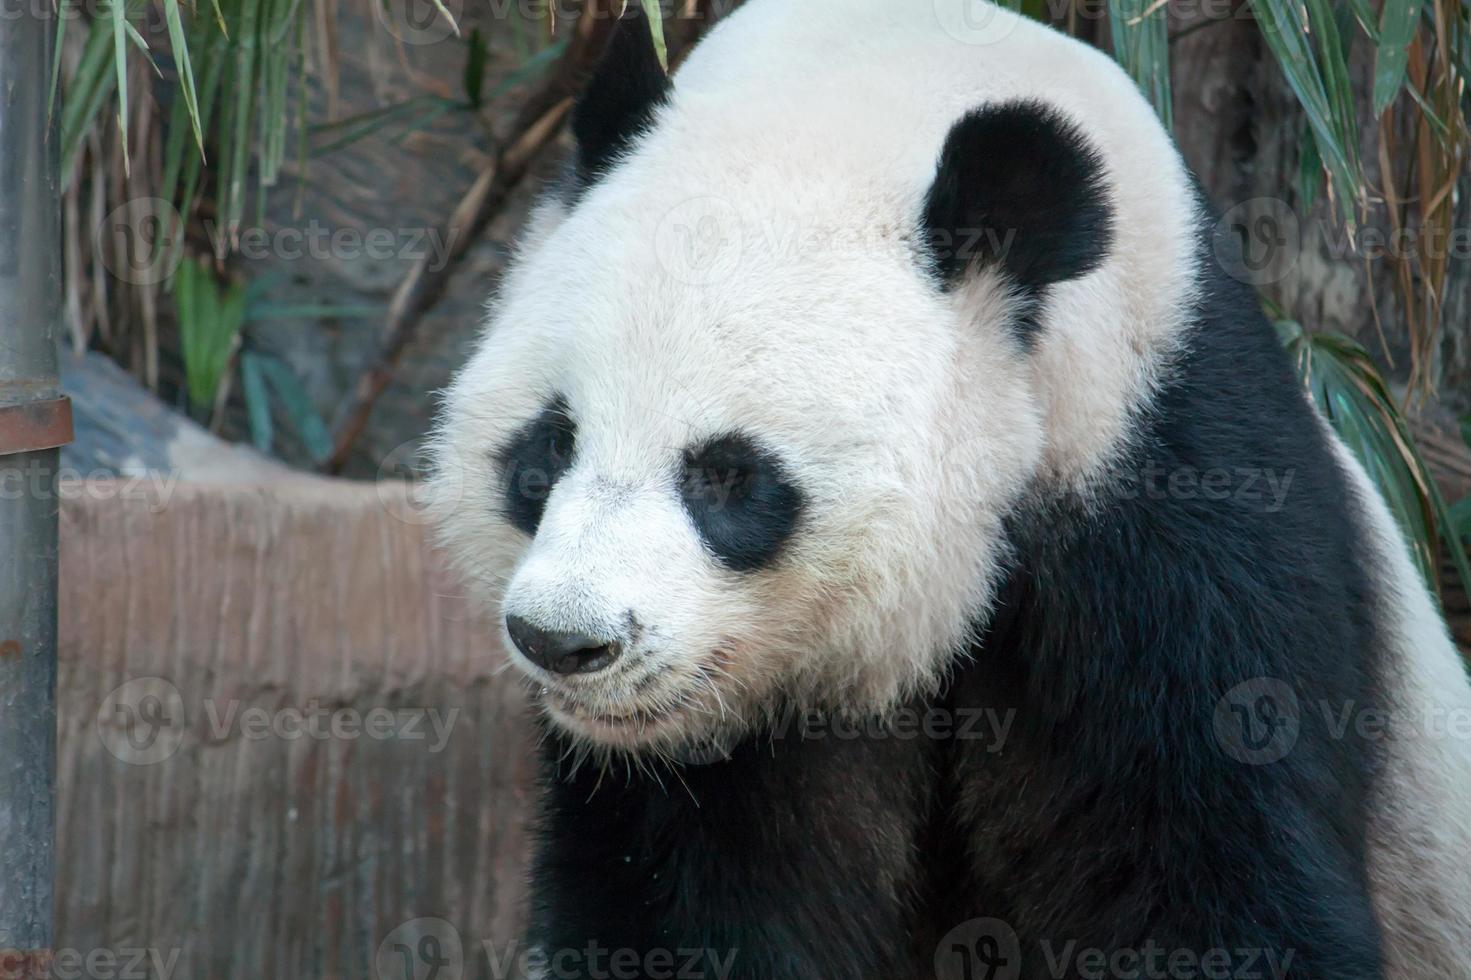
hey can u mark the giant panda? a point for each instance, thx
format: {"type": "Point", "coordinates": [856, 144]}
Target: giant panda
{"type": "Point", "coordinates": [838, 457]}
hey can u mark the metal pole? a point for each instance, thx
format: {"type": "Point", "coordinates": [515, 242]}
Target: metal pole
{"type": "Point", "coordinates": [34, 419]}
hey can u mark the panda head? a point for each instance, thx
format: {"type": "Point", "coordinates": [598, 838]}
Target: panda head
{"type": "Point", "coordinates": [746, 421]}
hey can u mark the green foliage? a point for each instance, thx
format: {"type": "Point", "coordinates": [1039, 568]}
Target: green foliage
{"type": "Point", "coordinates": [263, 376]}
{"type": "Point", "coordinates": [233, 61]}
{"type": "Point", "coordinates": [1141, 44]}
{"type": "Point", "coordinates": [415, 113]}
{"type": "Point", "coordinates": [1397, 25]}
{"type": "Point", "coordinates": [475, 58]}
{"type": "Point", "coordinates": [655, 16]}
{"type": "Point", "coordinates": [1461, 518]}
{"type": "Point", "coordinates": [1318, 76]}
{"type": "Point", "coordinates": [1343, 382]}
{"type": "Point", "coordinates": [210, 319]}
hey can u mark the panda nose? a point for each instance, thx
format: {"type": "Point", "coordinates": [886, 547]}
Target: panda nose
{"type": "Point", "coordinates": [559, 652]}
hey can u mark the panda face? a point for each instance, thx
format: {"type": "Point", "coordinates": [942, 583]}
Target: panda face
{"type": "Point", "coordinates": [696, 502]}
{"type": "Point", "coordinates": [760, 391]}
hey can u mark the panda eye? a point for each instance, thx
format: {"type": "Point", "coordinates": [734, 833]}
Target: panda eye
{"type": "Point", "coordinates": [740, 500]}
{"type": "Point", "coordinates": [533, 462]}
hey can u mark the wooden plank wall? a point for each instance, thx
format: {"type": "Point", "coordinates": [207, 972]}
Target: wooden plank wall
{"type": "Point", "coordinates": [217, 841]}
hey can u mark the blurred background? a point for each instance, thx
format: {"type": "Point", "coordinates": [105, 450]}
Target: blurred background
{"type": "Point", "coordinates": [286, 748]}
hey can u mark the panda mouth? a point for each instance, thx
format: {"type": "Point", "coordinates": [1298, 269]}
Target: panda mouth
{"type": "Point", "coordinates": [635, 719]}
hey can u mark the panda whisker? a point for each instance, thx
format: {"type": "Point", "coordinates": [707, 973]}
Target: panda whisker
{"type": "Point", "coordinates": [703, 676]}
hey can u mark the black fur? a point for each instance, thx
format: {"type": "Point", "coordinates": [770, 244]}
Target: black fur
{"type": "Point", "coordinates": [533, 462]}
{"type": "Point", "coordinates": [793, 858]}
{"type": "Point", "coordinates": [1019, 187]}
{"type": "Point", "coordinates": [1113, 816]}
{"type": "Point", "coordinates": [1116, 816]}
{"type": "Point", "coordinates": [619, 103]}
{"type": "Point", "coordinates": [740, 500]}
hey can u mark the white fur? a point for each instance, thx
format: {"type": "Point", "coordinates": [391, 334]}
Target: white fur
{"type": "Point", "coordinates": [752, 266]}
{"type": "Point", "coordinates": [1420, 831]}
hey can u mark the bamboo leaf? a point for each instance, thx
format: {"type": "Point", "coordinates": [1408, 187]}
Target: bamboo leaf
{"type": "Point", "coordinates": [1461, 518]}
{"type": "Point", "coordinates": [476, 55]}
{"type": "Point", "coordinates": [1348, 390]}
{"type": "Point", "coordinates": [119, 17]}
{"type": "Point", "coordinates": [142, 45]}
{"type": "Point", "coordinates": [1364, 15]}
{"type": "Point", "coordinates": [180, 47]}
{"type": "Point", "coordinates": [236, 122]}
{"type": "Point", "coordinates": [59, 6]}
{"type": "Point", "coordinates": [88, 89]}
{"type": "Point", "coordinates": [298, 404]}
{"type": "Point", "coordinates": [1309, 168]}
{"type": "Point", "coordinates": [257, 401]}
{"type": "Point", "coordinates": [1285, 28]}
{"type": "Point", "coordinates": [655, 16]}
{"type": "Point", "coordinates": [209, 329]}
{"type": "Point", "coordinates": [1141, 45]}
{"type": "Point", "coordinates": [1396, 30]}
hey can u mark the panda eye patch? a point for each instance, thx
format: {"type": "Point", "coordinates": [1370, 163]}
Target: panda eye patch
{"type": "Point", "coordinates": [740, 499]}
{"type": "Point", "coordinates": [532, 463]}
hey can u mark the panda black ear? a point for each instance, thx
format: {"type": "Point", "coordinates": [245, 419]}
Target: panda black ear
{"type": "Point", "coordinates": [1019, 188]}
{"type": "Point", "coordinates": [619, 102]}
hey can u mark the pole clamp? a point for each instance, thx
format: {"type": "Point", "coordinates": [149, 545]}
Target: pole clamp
{"type": "Point", "coordinates": [31, 426]}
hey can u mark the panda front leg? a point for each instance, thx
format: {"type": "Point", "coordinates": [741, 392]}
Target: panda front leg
{"type": "Point", "coordinates": [795, 857]}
